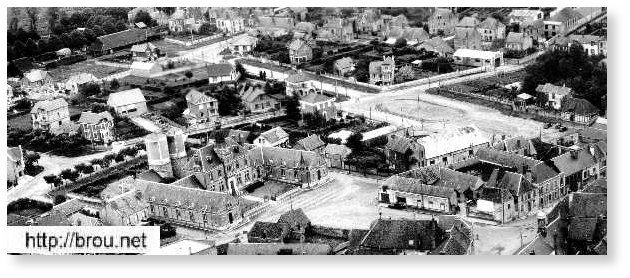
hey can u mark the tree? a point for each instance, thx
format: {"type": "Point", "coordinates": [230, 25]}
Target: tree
{"type": "Point", "coordinates": [145, 17]}
{"type": "Point", "coordinates": [406, 73]}
{"type": "Point", "coordinates": [59, 199]}
{"type": "Point", "coordinates": [293, 107]}
{"type": "Point", "coordinates": [90, 89]}
{"type": "Point", "coordinates": [400, 43]}
{"type": "Point", "coordinates": [30, 159]}
{"type": "Point", "coordinates": [30, 48]}
{"type": "Point", "coordinates": [241, 70]}
{"type": "Point", "coordinates": [53, 180]}
{"type": "Point", "coordinates": [188, 74]}
{"type": "Point", "coordinates": [230, 103]}
{"type": "Point", "coordinates": [354, 142]}
{"type": "Point", "coordinates": [114, 84]}
{"type": "Point", "coordinates": [207, 29]}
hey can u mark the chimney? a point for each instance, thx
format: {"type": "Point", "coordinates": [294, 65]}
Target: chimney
{"type": "Point", "coordinates": [591, 149]}
{"type": "Point", "coordinates": [574, 153]}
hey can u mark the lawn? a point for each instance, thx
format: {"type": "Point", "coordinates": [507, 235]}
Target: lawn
{"type": "Point", "coordinates": [62, 73]}
{"type": "Point", "coordinates": [271, 188]}
{"type": "Point", "coordinates": [21, 122]}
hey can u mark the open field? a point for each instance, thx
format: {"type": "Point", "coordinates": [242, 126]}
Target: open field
{"type": "Point", "coordinates": [62, 73]}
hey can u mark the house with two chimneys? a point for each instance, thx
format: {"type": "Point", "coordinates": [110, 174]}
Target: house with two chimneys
{"type": "Point", "coordinates": [50, 115]}
{"type": "Point", "coordinates": [442, 22]}
{"type": "Point", "coordinates": [201, 107]}
{"type": "Point", "coordinates": [300, 51]}
{"type": "Point", "coordinates": [97, 127]}
{"type": "Point", "coordinates": [382, 72]}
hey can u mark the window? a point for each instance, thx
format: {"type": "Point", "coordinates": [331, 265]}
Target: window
{"type": "Point", "coordinates": [192, 216]}
{"type": "Point", "coordinates": [165, 212]}
{"type": "Point", "coordinates": [205, 218]}
{"type": "Point", "coordinates": [282, 172]}
{"type": "Point", "coordinates": [152, 207]}
{"type": "Point", "coordinates": [178, 214]}
{"type": "Point", "coordinates": [445, 160]}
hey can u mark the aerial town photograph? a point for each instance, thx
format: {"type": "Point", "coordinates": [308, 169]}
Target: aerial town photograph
{"type": "Point", "coordinates": [312, 130]}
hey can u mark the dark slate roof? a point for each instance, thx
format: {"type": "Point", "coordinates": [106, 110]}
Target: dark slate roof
{"type": "Point", "coordinates": [150, 175]}
{"type": "Point", "coordinates": [275, 134]}
{"type": "Point", "coordinates": [410, 185]}
{"type": "Point", "coordinates": [398, 234]}
{"type": "Point", "coordinates": [190, 198]}
{"type": "Point", "coordinates": [399, 144]}
{"type": "Point", "coordinates": [569, 165]}
{"type": "Point", "coordinates": [295, 218]}
{"type": "Point", "coordinates": [122, 38]}
{"type": "Point", "coordinates": [189, 181]}
{"type": "Point", "coordinates": [541, 171]}
{"type": "Point", "coordinates": [268, 230]}
{"type": "Point", "coordinates": [516, 183]}
{"type": "Point", "coordinates": [596, 186]}
{"type": "Point", "coordinates": [588, 205]}
{"type": "Point", "coordinates": [286, 157]}
{"type": "Point", "coordinates": [311, 142]}
{"type": "Point", "coordinates": [444, 177]}
{"type": "Point", "coordinates": [495, 195]}
{"type": "Point", "coordinates": [458, 242]}
{"type": "Point", "coordinates": [197, 97]}
{"type": "Point", "coordinates": [593, 134]}
{"type": "Point", "coordinates": [578, 106]}
{"type": "Point", "coordinates": [223, 69]}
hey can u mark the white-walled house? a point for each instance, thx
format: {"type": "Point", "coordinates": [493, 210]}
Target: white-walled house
{"type": "Point", "coordinates": [128, 103]}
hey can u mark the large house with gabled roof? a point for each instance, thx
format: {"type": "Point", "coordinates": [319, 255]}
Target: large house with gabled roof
{"type": "Point", "coordinates": [50, 114]}
{"type": "Point", "coordinates": [318, 103]}
{"type": "Point", "coordinates": [201, 107]}
{"type": "Point", "coordinates": [275, 137]}
{"type": "Point", "coordinates": [129, 103]}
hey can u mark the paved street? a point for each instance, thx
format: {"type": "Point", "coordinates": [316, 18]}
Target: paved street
{"type": "Point", "coordinates": [53, 164]}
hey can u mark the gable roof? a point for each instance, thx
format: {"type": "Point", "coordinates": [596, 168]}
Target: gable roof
{"type": "Point", "coordinates": [128, 203]}
{"type": "Point", "coordinates": [15, 153]}
{"type": "Point", "coordinates": [122, 38]}
{"type": "Point", "coordinates": [336, 149]}
{"type": "Point", "coordinates": [399, 144]}
{"type": "Point", "coordinates": [222, 69]}
{"type": "Point", "coordinates": [436, 44]}
{"type": "Point", "coordinates": [275, 134]}
{"type": "Point", "coordinates": [311, 142]}
{"type": "Point", "coordinates": [143, 47]}
{"type": "Point", "coordinates": [36, 75]}
{"type": "Point", "coordinates": [295, 218]}
{"type": "Point", "coordinates": [250, 93]}
{"type": "Point", "coordinates": [550, 88]}
{"type": "Point", "coordinates": [468, 22]}
{"type": "Point", "coordinates": [95, 118]}
{"type": "Point", "coordinates": [344, 63]}
{"type": "Point", "coordinates": [268, 230]}
{"type": "Point", "coordinates": [190, 198]}
{"type": "Point", "coordinates": [125, 97]}
{"type": "Point", "coordinates": [286, 157]}
{"type": "Point", "coordinates": [197, 97]}
{"type": "Point", "coordinates": [569, 165]}
{"type": "Point", "coordinates": [297, 44]}
{"type": "Point", "coordinates": [49, 105]}
{"type": "Point", "coordinates": [516, 183]}
{"type": "Point", "coordinates": [514, 37]}
{"type": "Point", "coordinates": [245, 40]}
{"type": "Point", "coordinates": [491, 23]}
{"type": "Point", "coordinates": [442, 177]}
{"type": "Point", "coordinates": [587, 205]}
{"type": "Point", "coordinates": [451, 141]}
{"type": "Point", "coordinates": [401, 234]}
{"type": "Point", "coordinates": [82, 78]}
{"type": "Point", "coordinates": [578, 106]}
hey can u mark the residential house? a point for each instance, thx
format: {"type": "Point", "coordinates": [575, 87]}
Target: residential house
{"type": "Point", "coordinates": [15, 165]}
{"type": "Point", "coordinates": [304, 30]}
{"type": "Point", "coordinates": [562, 22]}
{"type": "Point", "coordinates": [495, 203]}
{"type": "Point", "coordinates": [268, 232]}
{"type": "Point", "coordinates": [222, 72]}
{"type": "Point", "coordinates": [129, 103]}
{"type": "Point", "coordinates": [300, 84]}
{"type": "Point", "coordinates": [367, 22]}
{"type": "Point", "coordinates": [310, 143]}
{"type": "Point", "coordinates": [344, 66]}
{"type": "Point", "coordinates": [534, 29]}
{"type": "Point", "coordinates": [478, 58]}
{"type": "Point", "coordinates": [297, 167]}
{"type": "Point", "coordinates": [319, 103]}
{"type": "Point", "coordinates": [400, 237]}
{"type": "Point", "coordinates": [411, 35]}
{"type": "Point", "coordinates": [520, 16]}
{"type": "Point", "coordinates": [300, 51]}
{"type": "Point", "coordinates": [127, 209]}
{"type": "Point", "coordinates": [275, 137]}
{"type": "Point", "coordinates": [518, 41]}
{"type": "Point", "coordinates": [181, 21]}
{"type": "Point", "coordinates": [278, 249]}
{"type": "Point", "coordinates": [593, 45]}
{"type": "Point", "coordinates": [442, 22]}
{"type": "Point", "coordinates": [36, 77]}
{"type": "Point", "coordinates": [338, 29]}
{"type": "Point", "coordinates": [530, 147]}
{"type": "Point", "coordinates": [451, 147]}
{"type": "Point", "coordinates": [336, 155]}
{"type": "Point", "coordinates": [97, 127]}
{"type": "Point", "coordinates": [50, 115]}
{"type": "Point", "coordinates": [436, 45]}
{"type": "Point", "coordinates": [578, 110]}
{"type": "Point", "coordinates": [467, 34]}
{"type": "Point", "coordinates": [460, 237]}
{"type": "Point", "coordinates": [256, 100]}
{"type": "Point", "coordinates": [77, 80]}
{"type": "Point", "coordinates": [555, 94]}
{"type": "Point", "coordinates": [231, 24]}
{"type": "Point", "coordinates": [144, 52]}
{"type": "Point", "coordinates": [382, 72]}
{"type": "Point", "coordinates": [491, 29]}
{"type": "Point", "coordinates": [243, 44]}
{"type": "Point", "coordinates": [298, 223]}
{"type": "Point", "coordinates": [401, 152]}
{"type": "Point", "coordinates": [201, 107]}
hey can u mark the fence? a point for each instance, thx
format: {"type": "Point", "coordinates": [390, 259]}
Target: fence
{"type": "Point", "coordinates": [116, 76]}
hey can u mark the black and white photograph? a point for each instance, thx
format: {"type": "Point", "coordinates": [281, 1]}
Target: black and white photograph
{"type": "Point", "coordinates": [283, 130]}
